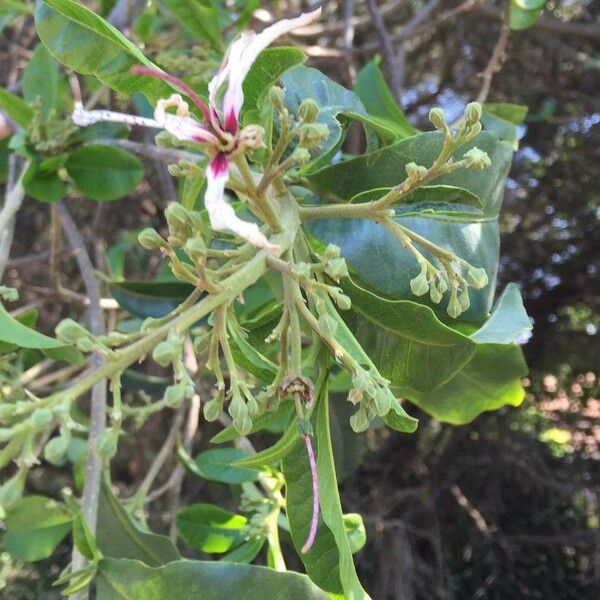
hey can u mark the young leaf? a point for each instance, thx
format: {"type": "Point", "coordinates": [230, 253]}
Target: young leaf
{"type": "Point", "coordinates": [40, 80]}
{"type": "Point", "coordinates": [274, 453]}
{"type": "Point", "coordinates": [104, 172]}
{"type": "Point", "coordinates": [217, 465]}
{"type": "Point", "coordinates": [199, 17]}
{"type": "Point", "coordinates": [43, 185]}
{"type": "Point", "coordinates": [15, 108]}
{"type": "Point", "coordinates": [209, 528]}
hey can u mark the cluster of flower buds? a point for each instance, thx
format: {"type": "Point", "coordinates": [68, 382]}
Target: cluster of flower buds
{"type": "Point", "coordinates": [373, 396]}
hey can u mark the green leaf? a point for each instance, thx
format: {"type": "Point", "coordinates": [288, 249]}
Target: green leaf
{"type": "Point", "coordinates": [35, 526]}
{"type": "Point", "coordinates": [245, 553]}
{"type": "Point", "coordinates": [86, 43]}
{"type": "Point", "coordinates": [379, 101]}
{"type": "Point", "coordinates": [521, 18]}
{"type": "Point", "coordinates": [187, 579]}
{"type": "Point", "coordinates": [83, 538]}
{"type": "Point", "coordinates": [249, 358]}
{"type": "Point", "coordinates": [209, 528]}
{"type": "Point", "coordinates": [40, 80]}
{"type": "Point", "coordinates": [376, 256]}
{"type": "Point", "coordinates": [530, 4]}
{"type": "Point", "coordinates": [492, 379]}
{"type": "Point", "coordinates": [16, 108]}
{"type": "Point", "coordinates": [43, 185]}
{"type": "Point", "coordinates": [405, 340]}
{"type": "Point", "coordinates": [199, 17]}
{"type": "Point", "coordinates": [333, 99]}
{"type": "Point", "coordinates": [104, 172]}
{"type": "Point", "coordinates": [502, 119]}
{"type": "Point", "coordinates": [117, 535]}
{"type": "Point", "coordinates": [329, 562]}
{"type": "Point", "coordinates": [274, 453]}
{"type": "Point", "coordinates": [149, 298]}
{"type": "Point", "coordinates": [508, 322]}
{"type": "Point", "coordinates": [216, 465]}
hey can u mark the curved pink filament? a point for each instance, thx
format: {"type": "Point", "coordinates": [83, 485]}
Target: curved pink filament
{"type": "Point", "coordinates": [182, 85]}
{"type": "Point", "coordinates": [312, 534]}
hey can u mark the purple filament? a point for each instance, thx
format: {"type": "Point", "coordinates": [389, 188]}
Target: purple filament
{"type": "Point", "coordinates": [312, 534]}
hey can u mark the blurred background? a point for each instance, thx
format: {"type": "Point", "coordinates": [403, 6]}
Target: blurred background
{"type": "Point", "coordinates": [507, 507]}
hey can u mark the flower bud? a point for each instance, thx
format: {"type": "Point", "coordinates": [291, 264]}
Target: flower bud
{"type": "Point", "coordinates": [176, 215]}
{"type": "Point", "coordinates": [106, 447]}
{"type": "Point", "coordinates": [463, 300]}
{"type": "Point", "coordinates": [313, 135]}
{"type": "Point", "coordinates": [415, 171]}
{"type": "Point", "coordinates": [454, 309]}
{"type": "Point", "coordinates": [41, 418]}
{"type": "Point", "coordinates": [301, 156]}
{"type": "Point", "coordinates": [477, 159]}
{"type": "Point", "coordinates": [70, 331]}
{"type": "Point", "coordinates": [175, 170]}
{"type": "Point", "coordinates": [164, 139]}
{"type": "Point", "coordinates": [441, 284]}
{"type": "Point", "coordinates": [301, 271]}
{"type": "Point", "coordinates": [212, 409]}
{"type": "Point", "coordinates": [166, 352]}
{"type": "Point", "coordinates": [252, 136]}
{"type": "Point", "coordinates": [8, 294]}
{"type": "Point", "coordinates": [477, 278]}
{"type": "Point", "coordinates": [383, 401]}
{"type": "Point", "coordinates": [332, 251]}
{"type": "Point", "coordinates": [56, 449]}
{"type": "Point", "coordinates": [336, 268]}
{"type": "Point", "coordinates": [419, 285]}
{"type": "Point", "coordinates": [359, 421]}
{"type": "Point", "coordinates": [150, 239]}
{"type": "Point", "coordinates": [355, 395]}
{"type": "Point", "coordinates": [195, 248]}
{"type": "Point", "coordinates": [473, 112]}
{"type": "Point", "coordinates": [12, 490]}
{"type": "Point", "coordinates": [438, 119]}
{"type": "Point", "coordinates": [435, 294]}
{"type": "Point", "coordinates": [343, 302]}
{"type": "Point", "coordinates": [85, 344]}
{"type": "Point", "coordinates": [308, 110]}
{"type": "Point", "coordinates": [277, 97]}
{"type": "Point", "coordinates": [243, 424]}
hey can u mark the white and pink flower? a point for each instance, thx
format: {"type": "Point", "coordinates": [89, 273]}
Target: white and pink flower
{"type": "Point", "coordinates": [219, 130]}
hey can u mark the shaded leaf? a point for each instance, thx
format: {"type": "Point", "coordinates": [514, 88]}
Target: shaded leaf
{"type": "Point", "coordinates": [274, 453]}
{"type": "Point", "coordinates": [199, 17]}
{"type": "Point", "coordinates": [216, 465]}
{"type": "Point", "coordinates": [16, 108]}
{"type": "Point", "coordinates": [40, 80]}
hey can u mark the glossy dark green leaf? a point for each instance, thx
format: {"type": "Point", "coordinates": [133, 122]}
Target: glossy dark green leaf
{"type": "Point", "coordinates": [376, 256]}
{"type": "Point", "coordinates": [377, 98]}
{"type": "Point", "coordinates": [492, 379]}
{"type": "Point", "coordinates": [40, 80]}
{"type": "Point", "coordinates": [216, 464]}
{"type": "Point", "coordinates": [16, 108]}
{"type": "Point", "coordinates": [104, 172]}
{"type": "Point", "coordinates": [199, 17]}
{"type": "Point", "coordinates": [329, 562]}
{"type": "Point", "coordinates": [187, 579]}
{"type": "Point", "coordinates": [43, 185]}
{"type": "Point", "coordinates": [274, 453]}
{"type": "Point", "coordinates": [149, 298]}
{"type": "Point", "coordinates": [209, 528]}
{"type": "Point", "coordinates": [118, 536]}
{"type": "Point", "coordinates": [333, 99]}
{"type": "Point", "coordinates": [86, 43]}
{"type": "Point", "coordinates": [508, 322]}
{"type": "Point", "coordinates": [35, 526]}
{"type": "Point", "coordinates": [503, 120]}
{"type": "Point", "coordinates": [407, 343]}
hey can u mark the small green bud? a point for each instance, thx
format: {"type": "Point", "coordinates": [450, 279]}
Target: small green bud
{"type": "Point", "coordinates": [174, 395]}
{"type": "Point", "coordinates": [176, 215]}
{"type": "Point", "coordinates": [12, 490]}
{"type": "Point", "coordinates": [477, 278]}
{"type": "Point", "coordinates": [343, 302]}
{"type": "Point", "coordinates": [438, 119]}
{"type": "Point", "coordinates": [168, 351]}
{"type": "Point", "coordinates": [355, 395]}
{"type": "Point", "coordinates": [435, 294]}
{"type": "Point", "coordinates": [85, 344]}
{"type": "Point", "coordinates": [441, 284]}
{"type": "Point", "coordinates": [301, 271]}
{"type": "Point", "coordinates": [175, 170]}
{"type": "Point", "coordinates": [106, 447]}
{"type": "Point", "coordinates": [253, 407]}
{"type": "Point", "coordinates": [327, 325]}
{"type": "Point", "coordinates": [164, 139]}
{"type": "Point", "coordinates": [313, 135]}
{"type": "Point", "coordinates": [196, 220]}
{"type": "Point", "coordinates": [243, 424]}
{"type": "Point", "coordinates": [70, 331]}
{"type": "Point", "coordinates": [454, 309]}
{"type": "Point", "coordinates": [301, 156]}
{"type": "Point", "coordinates": [116, 338]}
{"type": "Point", "coordinates": [359, 421]}
{"type": "Point", "coordinates": [473, 112]}
{"type": "Point", "coordinates": [332, 251]}
{"type": "Point", "coordinates": [150, 239]}
{"type": "Point", "coordinates": [415, 171]}
{"type": "Point", "coordinates": [277, 97]}
{"type": "Point", "coordinates": [477, 159]}
{"type": "Point", "coordinates": [8, 294]}
{"type": "Point", "coordinates": [212, 410]}
{"type": "Point", "coordinates": [336, 268]}
{"type": "Point", "coordinates": [56, 449]}
{"type": "Point", "coordinates": [363, 381]}
{"type": "Point", "coordinates": [383, 402]}
{"type": "Point", "coordinates": [41, 418]}
{"type": "Point", "coordinates": [308, 110]}
{"type": "Point", "coordinates": [419, 285]}
{"type": "Point", "coordinates": [463, 300]}
{"type": "Point", "coordinates": [195, 248]}
{"type": "Point", "coordinates": [237, 409]}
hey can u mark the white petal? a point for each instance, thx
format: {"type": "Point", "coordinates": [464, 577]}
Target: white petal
{"type": "Point", "coordinates": [83, 118]}
{"type": "Point", "coordinates": [221, 214]}
{"type": "Point", "coordinates": [241, 56]}
{"type": "Point", "coordinates": [187, 129]}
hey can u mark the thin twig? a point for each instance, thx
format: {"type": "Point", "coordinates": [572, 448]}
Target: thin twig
{"type": "Point", "coordinates": [387, 49]}
{"type": "Point", "coordinates": [151, 151]}
{"type": "Point", "coordinates": [498, 56]}
{"type": "Point", "coordinates": [93, 469]}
